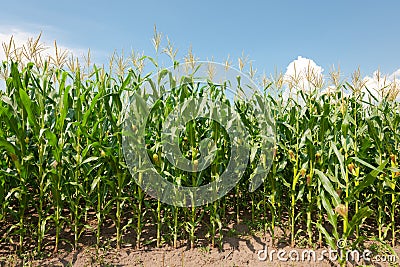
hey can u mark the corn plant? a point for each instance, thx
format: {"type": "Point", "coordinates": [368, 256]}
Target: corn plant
{"type": "Point", "coordinates": [63, 170]}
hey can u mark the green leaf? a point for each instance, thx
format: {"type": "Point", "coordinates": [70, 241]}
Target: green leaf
{"type": "Point", "coordinates": [332, 217]}
{"type": "Point", "coordinates": [368, 180]}
{"type": "Point", "coordinates": [51, 137]}
{"type": "Point", "coordinates": [89, 160]}
{"type": "Point", "coordinates": [26, 101]}
{"type": "Point", "coordinates": [357, 219]}
{"type": "Point", "coordinates": [91, 108]}
{"type": "Point", "coordinates": [326, 183]}
{"type": "Point", "coordinates": [10, 148]}
{"type": "Point", "coordinates": [94, 183]}
{"type": "Point", "coordinates": [331, 242]}
{"type": "Point", "coordinates": [341, 160]}
{"type": "Point", "coordinates": [364, 163]}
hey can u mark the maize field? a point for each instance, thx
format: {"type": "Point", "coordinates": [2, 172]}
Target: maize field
{"type": "Point", "coordinates": [333, 175]}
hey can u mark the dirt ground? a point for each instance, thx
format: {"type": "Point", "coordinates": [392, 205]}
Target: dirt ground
{"type": "Point", "coordinates": [241, 245]}
{"type": "Point", "coordinates": [242, 249]}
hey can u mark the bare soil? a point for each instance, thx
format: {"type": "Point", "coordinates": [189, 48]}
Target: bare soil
{"type": "Point", "coordinates": [239, 249]}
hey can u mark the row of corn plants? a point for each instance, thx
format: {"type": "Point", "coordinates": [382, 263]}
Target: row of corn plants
{"type": "Point", "coordinates": [63, 173]}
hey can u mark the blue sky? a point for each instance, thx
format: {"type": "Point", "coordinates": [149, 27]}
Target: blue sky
{"type": "Point", "coordinates": [271, 33]}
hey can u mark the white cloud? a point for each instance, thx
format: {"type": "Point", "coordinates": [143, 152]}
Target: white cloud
{"type": "Point", "coordinates": [302, 74]}
{"type": "Point", "coordinates": [20, 38]}
{"type": "Point", "coordinates": [302, 65]}
{"type": "Point", "coordinates": [395, 75]}
{"type": "Point", "coordinates": [379, 85]}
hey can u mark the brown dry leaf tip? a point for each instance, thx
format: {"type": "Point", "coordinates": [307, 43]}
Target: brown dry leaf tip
{"type": "Point", "coordinates": [397, 174]}
{"type": "Point", "coordinates": [274, 152]}
{"type": "Point", "coordinates": [14, 157]}
{"type": "Point", "coordinates": [291, 155]}
{"type": "Point", "coordinates": [393, 158]}
{"type": "Point", "coordinates": [308, 179]}
{"type": "Point", "coordinates": [342, 210]}
{"type": "Point", "coordinates": [351, 167]}
{"type": "Point", "coordinates": [318, 157]}
{"type": "Point", "coordinates": [339, 192]}
{"type": "Point", "coordinates": [303, 172]}
{"type": "Point", "coordinates": [54, 164]}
